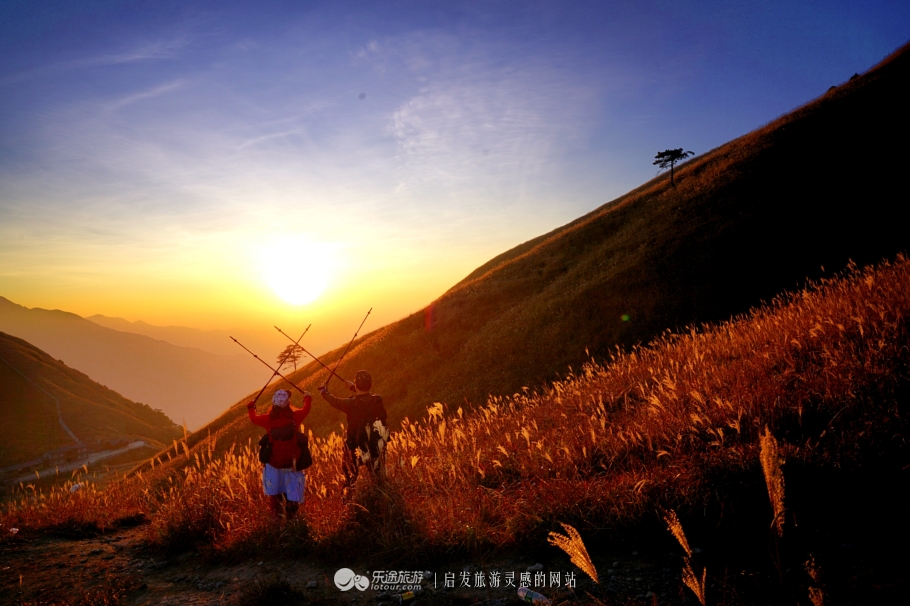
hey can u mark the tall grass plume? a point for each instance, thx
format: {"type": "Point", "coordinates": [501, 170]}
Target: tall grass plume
{"type": "Point", "coordinates": [572, 544]}
{"type": "Point", "coordinates": [774, 478]}
{"type": "Point", "coordinates": [689, 577]}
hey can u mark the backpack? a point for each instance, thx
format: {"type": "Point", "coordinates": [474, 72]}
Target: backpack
{"type": "Point", "coordinates": [371, 434]}
{"type": "Point", "coordinates": [265, 448]}
{"type": "Point", "coordinates": [281, 437]}
{"type": "Point", "coordinates": [305, 458]}
{"type": "Point", "coordinates": [371, 452]}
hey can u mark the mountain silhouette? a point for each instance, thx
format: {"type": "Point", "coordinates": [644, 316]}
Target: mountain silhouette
{"type": "Point", "coordinates": [37, 392]}
{"type": "Point", "coordinates": [186, 383]}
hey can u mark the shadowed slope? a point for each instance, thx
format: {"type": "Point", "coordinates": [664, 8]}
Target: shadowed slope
{"type": "Point", "coordinates": [92, 411]}
{"type": "Point", "coordinates": [188, 384]}
{"type": "Point", "coordinates": [745, 221]}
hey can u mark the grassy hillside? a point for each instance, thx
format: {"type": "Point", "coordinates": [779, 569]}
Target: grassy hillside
{"type": "Point", "coordinates": [188, 384]}
{"type": "Point", "coordinates": [793, 200]}
{"type": "Point", "coordinates": [93, 412]}
{"type": "Point", "coordinates": [817, 381]}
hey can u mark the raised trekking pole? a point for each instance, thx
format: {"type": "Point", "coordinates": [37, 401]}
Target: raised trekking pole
{"type": "Point", "coordinates": [347, 348]}
{"type": "Point", "coordinates": [291, 383]}
{"type": "Point", "coordinates": [311, 355]}
{"type": "Point", "coordinates": [285, 359]}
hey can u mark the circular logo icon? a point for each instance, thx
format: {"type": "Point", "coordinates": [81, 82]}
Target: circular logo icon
{"type": "Point", "coordinates": [346, 578]}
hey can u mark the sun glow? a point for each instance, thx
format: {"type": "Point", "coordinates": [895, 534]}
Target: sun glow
{"type": "Point", "coordinates": [297, 268]}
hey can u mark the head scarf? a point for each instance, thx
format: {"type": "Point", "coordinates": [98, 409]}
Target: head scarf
{"type": "Point", "coordinates": [281, 398]}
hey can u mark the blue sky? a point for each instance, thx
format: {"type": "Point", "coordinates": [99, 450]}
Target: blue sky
{"type": "Point", "coordinates": [152, 153]}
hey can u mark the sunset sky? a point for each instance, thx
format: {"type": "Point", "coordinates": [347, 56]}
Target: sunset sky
{"type": "Point", "coordinates": [191, 163]}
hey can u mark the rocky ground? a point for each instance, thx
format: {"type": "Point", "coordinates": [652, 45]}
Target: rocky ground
{"type": "Point", "coordinates": [117, 568]}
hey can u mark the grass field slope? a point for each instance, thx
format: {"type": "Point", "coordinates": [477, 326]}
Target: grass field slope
{"type": "Point", "coordinates": [791, 201]}
{"type": "Point", "coordinates": [807, 394]}
{"type": "Point", "coordinates": [30, 381]}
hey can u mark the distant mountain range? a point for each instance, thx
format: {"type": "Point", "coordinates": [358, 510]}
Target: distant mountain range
{"type": "Point", "coordinates": [186, 383]}
{"type": "Point", "coordinates": [213, 341]}
{"type": "Point", "coordinates": [33, 384]}
{"type": "Point", "coordinates": [794, 200]}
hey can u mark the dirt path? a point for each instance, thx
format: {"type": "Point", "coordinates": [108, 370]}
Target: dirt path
{"type": "Point", "coordinates": [45, 568]}
{"type": "Point", "coordinates": [48, 569]}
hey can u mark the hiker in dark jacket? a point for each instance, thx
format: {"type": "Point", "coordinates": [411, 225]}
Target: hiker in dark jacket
{"type": "Point", "coordinates": [367, 432]}
{"type": "Point", "coordinates": [281, 482]}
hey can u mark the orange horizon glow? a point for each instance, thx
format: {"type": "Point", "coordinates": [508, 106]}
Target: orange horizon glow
{"type": "Point", "coordinates": [218, 287]}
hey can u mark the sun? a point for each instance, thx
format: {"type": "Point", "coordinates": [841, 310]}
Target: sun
{"type": "Point", "coordinates": [297, 268]}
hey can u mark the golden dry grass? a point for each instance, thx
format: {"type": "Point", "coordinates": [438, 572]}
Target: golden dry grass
{"type": "Point", "coordinates": [816, 595]}
{"type": "Point", "coordinates": [771, 462]}
{"type": "Point", "coordinates": [676, 529]}
{"type": "Point", "coordinates": [689, 578]}
{"type": "Point", "coordinates": [574, 547]}
{"type": "Point", "coordinates": [821, 369]}
{"type": "Point", "coordinates": [693, 582]}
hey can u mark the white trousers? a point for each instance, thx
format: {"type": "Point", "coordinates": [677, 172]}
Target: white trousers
{"type": "Point", "coordinates": [288, 481]}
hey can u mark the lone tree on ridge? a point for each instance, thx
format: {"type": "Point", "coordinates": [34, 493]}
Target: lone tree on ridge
{"type": "Point", "coordinates": [669, 157]}
{"type": "Point", "coordinates": [290, 355]}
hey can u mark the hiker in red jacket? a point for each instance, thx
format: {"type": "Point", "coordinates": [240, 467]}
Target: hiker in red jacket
{"type": "Point", "coordinates": [367, 432]}
{"type": "Point", "coordinates": [280, 480]}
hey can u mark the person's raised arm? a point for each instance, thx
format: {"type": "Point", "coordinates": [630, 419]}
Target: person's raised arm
{"type": "Point", "coordinates": [260, 420]}
{"type": "Point", "coordinates": [342, 404]}
{"type": "Point", "coordinates": [301, 413]}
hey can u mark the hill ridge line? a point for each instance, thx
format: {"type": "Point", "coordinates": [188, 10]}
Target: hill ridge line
{"type": "Point", "coordinates": [689, 166]}
{"type": "Point", "coordinates": [752, 218]}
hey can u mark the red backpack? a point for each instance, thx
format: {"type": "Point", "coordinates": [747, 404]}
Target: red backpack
{"type": "Point", "coordinates": [283, 446]}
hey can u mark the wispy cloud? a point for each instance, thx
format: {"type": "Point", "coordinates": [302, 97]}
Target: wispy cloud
{"type": "Point", "coordinates": [166, 48]}
{"type": "Point", "coordinates": [154, 92]}
{"type": "Point", "coordinates": [476, 125]}
{"type": "Point", "coordinates": [453, 125]}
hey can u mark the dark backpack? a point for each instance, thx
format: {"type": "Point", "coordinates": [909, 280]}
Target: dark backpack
{"type": "Point", "coordinates": [265, 448]}
{"type": "Point", "coordinates": [305, 459]}
{"type": "Point", "coordinates": [284, 433]}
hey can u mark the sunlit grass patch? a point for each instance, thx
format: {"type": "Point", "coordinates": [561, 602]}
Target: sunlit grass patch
{"type": "Point", "coordinates": [816, 375]}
